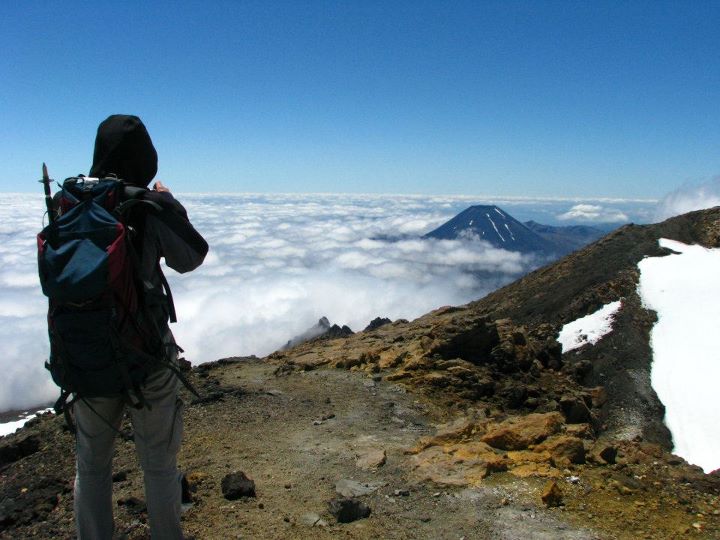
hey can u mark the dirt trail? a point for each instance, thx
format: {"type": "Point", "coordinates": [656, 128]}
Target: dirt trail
{"type": "Point", "coordinates": [274, 432]}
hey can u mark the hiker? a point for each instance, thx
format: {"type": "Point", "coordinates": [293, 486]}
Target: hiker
{"type": "Point", "coordinates": [123, 149]}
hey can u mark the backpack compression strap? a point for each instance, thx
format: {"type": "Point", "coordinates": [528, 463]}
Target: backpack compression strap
{"type": "Point", "coordinates": [168, 293]}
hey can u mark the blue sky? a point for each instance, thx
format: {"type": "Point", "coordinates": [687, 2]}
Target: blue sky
{"type": "Point", "coordinates": [613, 99]}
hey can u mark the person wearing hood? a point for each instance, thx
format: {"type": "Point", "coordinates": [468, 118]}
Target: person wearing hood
{"type": "Point", "coordinates": [123, 149]}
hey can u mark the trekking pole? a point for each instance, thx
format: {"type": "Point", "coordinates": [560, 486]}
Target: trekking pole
{"type": "Point", "coordinates": [48, 196]}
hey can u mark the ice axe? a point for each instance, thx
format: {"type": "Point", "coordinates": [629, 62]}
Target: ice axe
{"type": "Point", "coordinates": [48, 196]}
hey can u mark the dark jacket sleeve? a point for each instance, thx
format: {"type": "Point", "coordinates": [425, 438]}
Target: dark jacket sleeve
{"type": "Point", "coordinates": [173, 235]}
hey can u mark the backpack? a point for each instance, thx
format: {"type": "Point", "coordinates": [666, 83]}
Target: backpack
{"type": "Point", "coordinates": [103, 339]}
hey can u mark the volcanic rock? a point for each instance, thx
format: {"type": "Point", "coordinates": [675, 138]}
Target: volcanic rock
{"type": "Point", "coordinates": [461, 464]}
{"type": "Point", "coordinates": [371, 459]}
{"type": "Point", "coordinates": [121, 476]}
{"type": "Point", "coordinates": [564, 450]}
{"type": "Point", "coordinates": [347, 510]}
{"type": "Point", "coordinates": [376, 323]}
{"type": "Point", "coordinates": [575, 410]}
{"type": "Point", "coordinates": [336, 331]}
{"type": "Point", "coordinates": [311, 519]}
{"type": "Point", "coordinates": [18, 447]}
{"type": "Point", "coordinates": [237, 485]}
{"type": "Point", "coordinates": [603, 453]}
{"type": "Point", "coordinates": [321, 330]}
{"type": "Point", "coordinates": [519, 432]}
{"type": "Point", "coordinates": [551, 494]}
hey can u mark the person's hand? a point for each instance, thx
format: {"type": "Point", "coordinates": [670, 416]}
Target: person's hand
{"type": "Point", "coordinates": [160, 187]}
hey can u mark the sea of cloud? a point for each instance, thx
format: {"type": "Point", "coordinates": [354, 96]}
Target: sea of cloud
{"type": "Point", "coordinates": [277, 264]}
{"type": "Point", "coordinates": [594, 213]}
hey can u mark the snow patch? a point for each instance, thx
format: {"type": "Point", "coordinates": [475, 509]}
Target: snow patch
{"type": "Point", "coordinates": [589, 329]}
{"type": "Point", "coordinates": [508, 230]}
{"type": "Point", "coordinates": [494, 227]}
{"type": "Point", "coordinates": [11, 427]}
{"type": "Point", "coordinates": [684, 290]}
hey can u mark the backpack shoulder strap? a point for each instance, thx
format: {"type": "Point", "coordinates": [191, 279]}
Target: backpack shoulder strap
{"type": "Point", "coordinates": [134, 196]}
{"type": "Point", "coordinates": [125, 206]}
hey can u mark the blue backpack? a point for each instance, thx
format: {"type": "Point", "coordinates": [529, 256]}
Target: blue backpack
{"type": "Point", "coordinates": [103, 339]}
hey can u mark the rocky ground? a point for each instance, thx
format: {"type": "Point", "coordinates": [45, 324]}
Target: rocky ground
{"type": "Point", "coordinates": [308, 436]}
{"type": "Point", "coordinates": [465, 423]}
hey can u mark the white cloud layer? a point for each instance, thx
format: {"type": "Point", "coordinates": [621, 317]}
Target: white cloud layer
{"type": "Point", "coordinates": [277, 264]}
{"type": "Point", "coordinates": [688, 198]}
{"type": "Point", "coordinates": [593, 213]}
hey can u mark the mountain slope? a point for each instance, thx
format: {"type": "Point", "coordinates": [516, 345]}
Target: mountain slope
{"type": "Point", "coordinates": [567, 238]}
{"type": "Point", "coordinates": [597, 275]}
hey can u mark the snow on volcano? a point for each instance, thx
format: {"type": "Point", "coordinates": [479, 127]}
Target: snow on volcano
{"type": "Point", "coordinates": [589, 329]}
{"type": "Point", "coordinates": [684, 289]}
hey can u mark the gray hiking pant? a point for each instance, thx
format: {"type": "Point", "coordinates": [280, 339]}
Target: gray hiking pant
{"type": "Point", "coordinates": [158, 432]}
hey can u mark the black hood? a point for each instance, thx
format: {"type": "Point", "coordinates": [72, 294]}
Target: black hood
{"type": "Point", "coordinates": [123, 147]}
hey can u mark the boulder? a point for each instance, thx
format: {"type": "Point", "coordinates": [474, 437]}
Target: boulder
{"type": "Point", "coordinates": [515, 395]}
{"type": "Point", "coordinates": [461, 464]}
{"type": "Point", "coordinates": [580, 370]}
{"type": "Point", "coordinates": [311, 519]}
{"type": "Point", "coordinates": [461, 429]}
{"type": "Point", "coordinates": [582, 431]}
{"type": "Point", "coordinates": [575, 410]}
{"type": "Point", "coordinates": [14, 448]}
{"type": "Point", "coordinates": [237, 485]}
{"type": "Point", "coordinates": [347, 510]}
{"type": "Point", "coordinates": [519, 432]}
{"type": "Point", "coordinates": [603, 453]}
{"type": "Point", "coordinates": [564, 450]}
{"type": "Point", "coordinates": [371, 459]}
{"type": "Point", "coordinates": [471, 340]}
{"type": "Point", "coordinates": [551, 494]}
{"type": "Point", "coordinates": [550, 354]}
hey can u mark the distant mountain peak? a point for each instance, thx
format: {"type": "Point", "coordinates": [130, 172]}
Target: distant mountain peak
{"type": "Point", "coordinates": [494, 225]}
